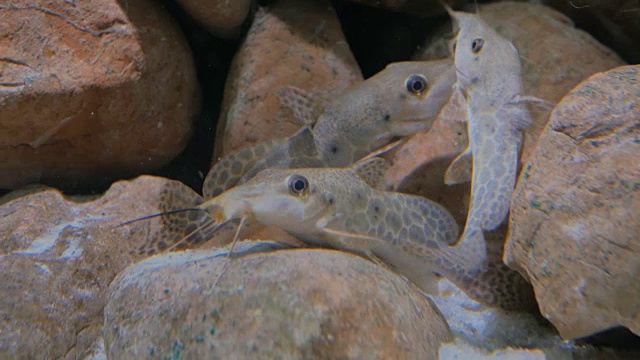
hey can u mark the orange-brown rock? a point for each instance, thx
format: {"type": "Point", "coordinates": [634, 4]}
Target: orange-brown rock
{"type": "Point", "coordinates": [553, 58]}
{"type": "Point", "coordinates": [222, 18]}
{"type": "Point", "coordinates": [91, 91]}
{"type": "Point", "coordinates": [297, 43]}
{"type": "Point", "coordinates": [574, 220]}
{"type": "Point", "coordinates": [292, 304]}
{"type": "Point", "coordinates": [58, 256]}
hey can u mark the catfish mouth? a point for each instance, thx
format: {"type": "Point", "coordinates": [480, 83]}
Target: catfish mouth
{"type": "Point", "coordinates": [283, 211]}
{"type": "Point", "coordinates": [225, 208]}
{"type": "Point", "coordinates": [288, 214]}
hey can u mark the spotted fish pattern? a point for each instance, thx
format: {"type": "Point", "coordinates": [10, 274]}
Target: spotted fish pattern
{"type": "Point", "coordinates": [400, 100]}
{"type": "Point", "coordinates": [489, 84]}
{"type": "Point", "coordinates": [338, 208]}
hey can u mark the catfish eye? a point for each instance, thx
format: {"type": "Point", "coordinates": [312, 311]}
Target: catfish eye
{"type": "Point", "coordinates": [476, 45]}
{"type": "Point", "coordinates": [416, 83]}
{"type": "Point", "coordinates": [298, 184]}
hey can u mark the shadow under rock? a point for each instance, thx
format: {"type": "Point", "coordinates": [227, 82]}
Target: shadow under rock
{"type": "Point", "coordinates": [379, 36]}
{"type": "Point", "coordinates": [212, 57]}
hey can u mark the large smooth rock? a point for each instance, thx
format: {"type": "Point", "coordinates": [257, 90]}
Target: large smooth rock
{"type": "Point", "coordinates": [91, 91]}
{"type": "Point", "coordinates": [297, 43]}
{"type": "Point", "coordinates": [574, 220]}
{"type": "Point", "coordinates": [58, 256]}
{"type": "Point", "coordinates": [294, 304]}
{"type": "Point", "coordinates": [221, 17]}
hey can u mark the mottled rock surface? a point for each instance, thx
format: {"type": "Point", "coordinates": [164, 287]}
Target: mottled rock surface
{"type": "Point", "coordinates": [91, 91]}
{"type": "Point", "coordinates": [297, 43]}
{"type": "Point", "coordinates": [221, 17]}
{"type": "Point", "coordinates": [284, 304]}
{"type": "Point", "coordinates": [574, 220]}
{"type": "Point", "coordinates": [57, 258]}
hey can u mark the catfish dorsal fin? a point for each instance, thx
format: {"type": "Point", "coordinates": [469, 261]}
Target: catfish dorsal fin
{"type": "Point", "coordinates": [305, 109]}
{"type": "Point", "coordinates": [303, 139]}
{"type": "Point", "coordinates": [302, 145]}
{"type": "Point", "coordinates": [371, 170]}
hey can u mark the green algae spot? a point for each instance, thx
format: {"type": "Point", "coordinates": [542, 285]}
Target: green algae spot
{"type": "Point", "coordinates": [215, 313]}
{"type": "Point", "coordinates": [176, 351]}
{"type": "Point", "coordinates": [526, 171]}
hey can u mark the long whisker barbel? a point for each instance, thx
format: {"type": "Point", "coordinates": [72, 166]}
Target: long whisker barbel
{"type": "Point", "coordinates": [160, 214]}
{"type": "Point", "coordinates": [204, 227]}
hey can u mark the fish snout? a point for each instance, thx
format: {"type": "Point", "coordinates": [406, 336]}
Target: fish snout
{"type": "Point", "coordinates": [213, 209]}
{"type": "Point", "coordinates": [228, 206]}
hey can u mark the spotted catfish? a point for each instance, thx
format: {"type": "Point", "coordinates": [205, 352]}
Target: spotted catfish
{"type": "Point", "coordinates": [402, 99]}
{"type": "Point", "coordinates": [339, 208]}
{"type": "Point", "coordinates": [489, 85]}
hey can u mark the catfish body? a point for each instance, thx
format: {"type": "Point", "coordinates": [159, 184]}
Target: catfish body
{"type": "Point", "coordinates": [489, 84]}
{"type": "Point", "coordinates": [400, 100]}
{"type": "Point", "coordinates": [338, 208]}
